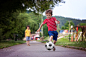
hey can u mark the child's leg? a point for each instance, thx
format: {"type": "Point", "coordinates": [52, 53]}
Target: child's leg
{"type": "Point", "coordinates": [54, 41]}
{"type": "Point", "coordinates": [55, 37]}
{"type": "Point", "coordinates": [28, 43]}
{"type": "Point", "coordinates": [51, 37]}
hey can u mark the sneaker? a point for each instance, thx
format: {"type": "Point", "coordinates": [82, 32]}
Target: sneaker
{"type": "Point", "coordinates": [54, 48]}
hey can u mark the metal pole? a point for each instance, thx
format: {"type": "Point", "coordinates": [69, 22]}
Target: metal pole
{"type": "Point", "coordinates": [41, 21]}
{"type": "Point", "coordinates": [69, 25]}
{"type": "Point", "coordinates": [42, 26]}
{"type": "Point", "coordinates": [69, 30]}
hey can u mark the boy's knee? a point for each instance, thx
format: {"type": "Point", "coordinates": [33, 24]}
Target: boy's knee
{"type": "Point", "coordinates": [51, 36]}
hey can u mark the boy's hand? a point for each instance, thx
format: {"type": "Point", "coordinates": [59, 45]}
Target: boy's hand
{"type": "Point", "coordinates": [38, 30]}
{"type": "Point", "coordinates": [57, 22]}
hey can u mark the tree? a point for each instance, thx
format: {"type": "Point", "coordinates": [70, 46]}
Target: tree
{"type": "Point", "coordinates": [45, 30]}
{"type": "Point", "coordinates": [17, 23]}
{"type": "Point", "coordinates": [12, 21]}
{"type": "Point", "coordinates": [67, 24]}
{"type": "Point", "coordinates": [62, 27]}
{"type": "Point", "coordinates": [35, 5]}
{"type": "Point", "coordinates": [82, 24]}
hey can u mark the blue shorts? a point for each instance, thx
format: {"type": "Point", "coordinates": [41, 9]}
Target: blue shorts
{"type": "Point", "coordinates": [27, 38]}
{"type": "Point", "coordinates": [54, 34]}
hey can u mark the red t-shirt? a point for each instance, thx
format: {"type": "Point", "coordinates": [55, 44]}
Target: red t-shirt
{"type": "Point", "coordinates": [50, 24]}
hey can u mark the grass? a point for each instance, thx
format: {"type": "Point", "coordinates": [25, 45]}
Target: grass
{"type": "Point", "coordinates": [65, 42]}
{"type": "Point", "coordinates": [4, 44]}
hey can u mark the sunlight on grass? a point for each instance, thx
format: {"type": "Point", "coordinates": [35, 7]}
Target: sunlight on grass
{"type": "Point", "coordinates": [66, 42]}
{"type": "Point", "coordinates": [4, 44]}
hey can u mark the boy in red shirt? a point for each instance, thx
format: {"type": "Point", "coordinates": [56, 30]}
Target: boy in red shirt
{"type": "Point", "coordinates": [51, 24]}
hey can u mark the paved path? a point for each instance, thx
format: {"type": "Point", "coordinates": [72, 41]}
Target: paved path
{"type": "Point", "coordinates": [38, 50]}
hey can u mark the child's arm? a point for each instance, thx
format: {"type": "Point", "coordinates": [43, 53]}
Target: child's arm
{"type": "Point", "coordinates": [25, 34]}
{"type": "Point", "coordinates": [57, 22]}
{"type": "Point", "coordinates": [30, 35]}
{"type": "Point", "coordinates": [40, 27]}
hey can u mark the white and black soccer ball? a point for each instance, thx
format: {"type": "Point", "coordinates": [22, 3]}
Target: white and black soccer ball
{"type": "Point", "coordinates": [49, 45]}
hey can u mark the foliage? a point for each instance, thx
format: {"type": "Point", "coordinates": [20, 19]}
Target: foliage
{"type": "Point", "coordinates": [4, 44]}
{"type": "Point", "coordinates": [35, 5]}
{"type": "Point", "coordinates": [82, 24]}
{"type": "Point", "coordinates": [17, 24]}
{"type": "Point", "coordinates": [13, 21]}
{"type": "Point", "coordinates": [67, 24]}
{"type": "Point", "coordinates": [31, 19]}
{"type": "Point", "coordinates": [45, 30]}
{"type": "Point", "coordinates": [65, 42]}
{"type": "Point", "coordinates": [62, 27]}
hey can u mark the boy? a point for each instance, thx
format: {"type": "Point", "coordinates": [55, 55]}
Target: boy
{"type": "Point", "coordinates": [27, 35]}
{"type": "Point", "coordinates": [51, 24]}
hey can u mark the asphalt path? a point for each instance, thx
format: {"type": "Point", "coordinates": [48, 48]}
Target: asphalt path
{"type": "Point", "coordinates": [38, 49]}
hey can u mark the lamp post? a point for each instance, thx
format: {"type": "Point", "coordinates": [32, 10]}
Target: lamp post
{"type": "Point", "coordinates": [42, 26]}
{"type": "Point", "coordinates": [69, 25]}
{"type": "Point", "coordinates": [40, 15]}
{"type": "Point", "coordinates": [69, 30]}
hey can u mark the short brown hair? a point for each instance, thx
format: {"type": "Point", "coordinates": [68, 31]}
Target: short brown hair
{"type": "Point", "coordinates": [49, 11]}
{"type": "Point", "coordinates": [28, 26]}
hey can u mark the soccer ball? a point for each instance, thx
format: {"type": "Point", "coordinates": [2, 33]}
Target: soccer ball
{"type": "Point", "coordinates": [49, 45]}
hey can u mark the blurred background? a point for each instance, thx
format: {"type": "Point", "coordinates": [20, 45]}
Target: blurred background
{"type": "Point", "coordinates": [15, 15]}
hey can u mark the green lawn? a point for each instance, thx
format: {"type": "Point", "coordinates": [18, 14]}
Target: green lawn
{"type": "Point", "coordinates": [65, 42]}
{"type": "Point", "coordinates": [4, 44]}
